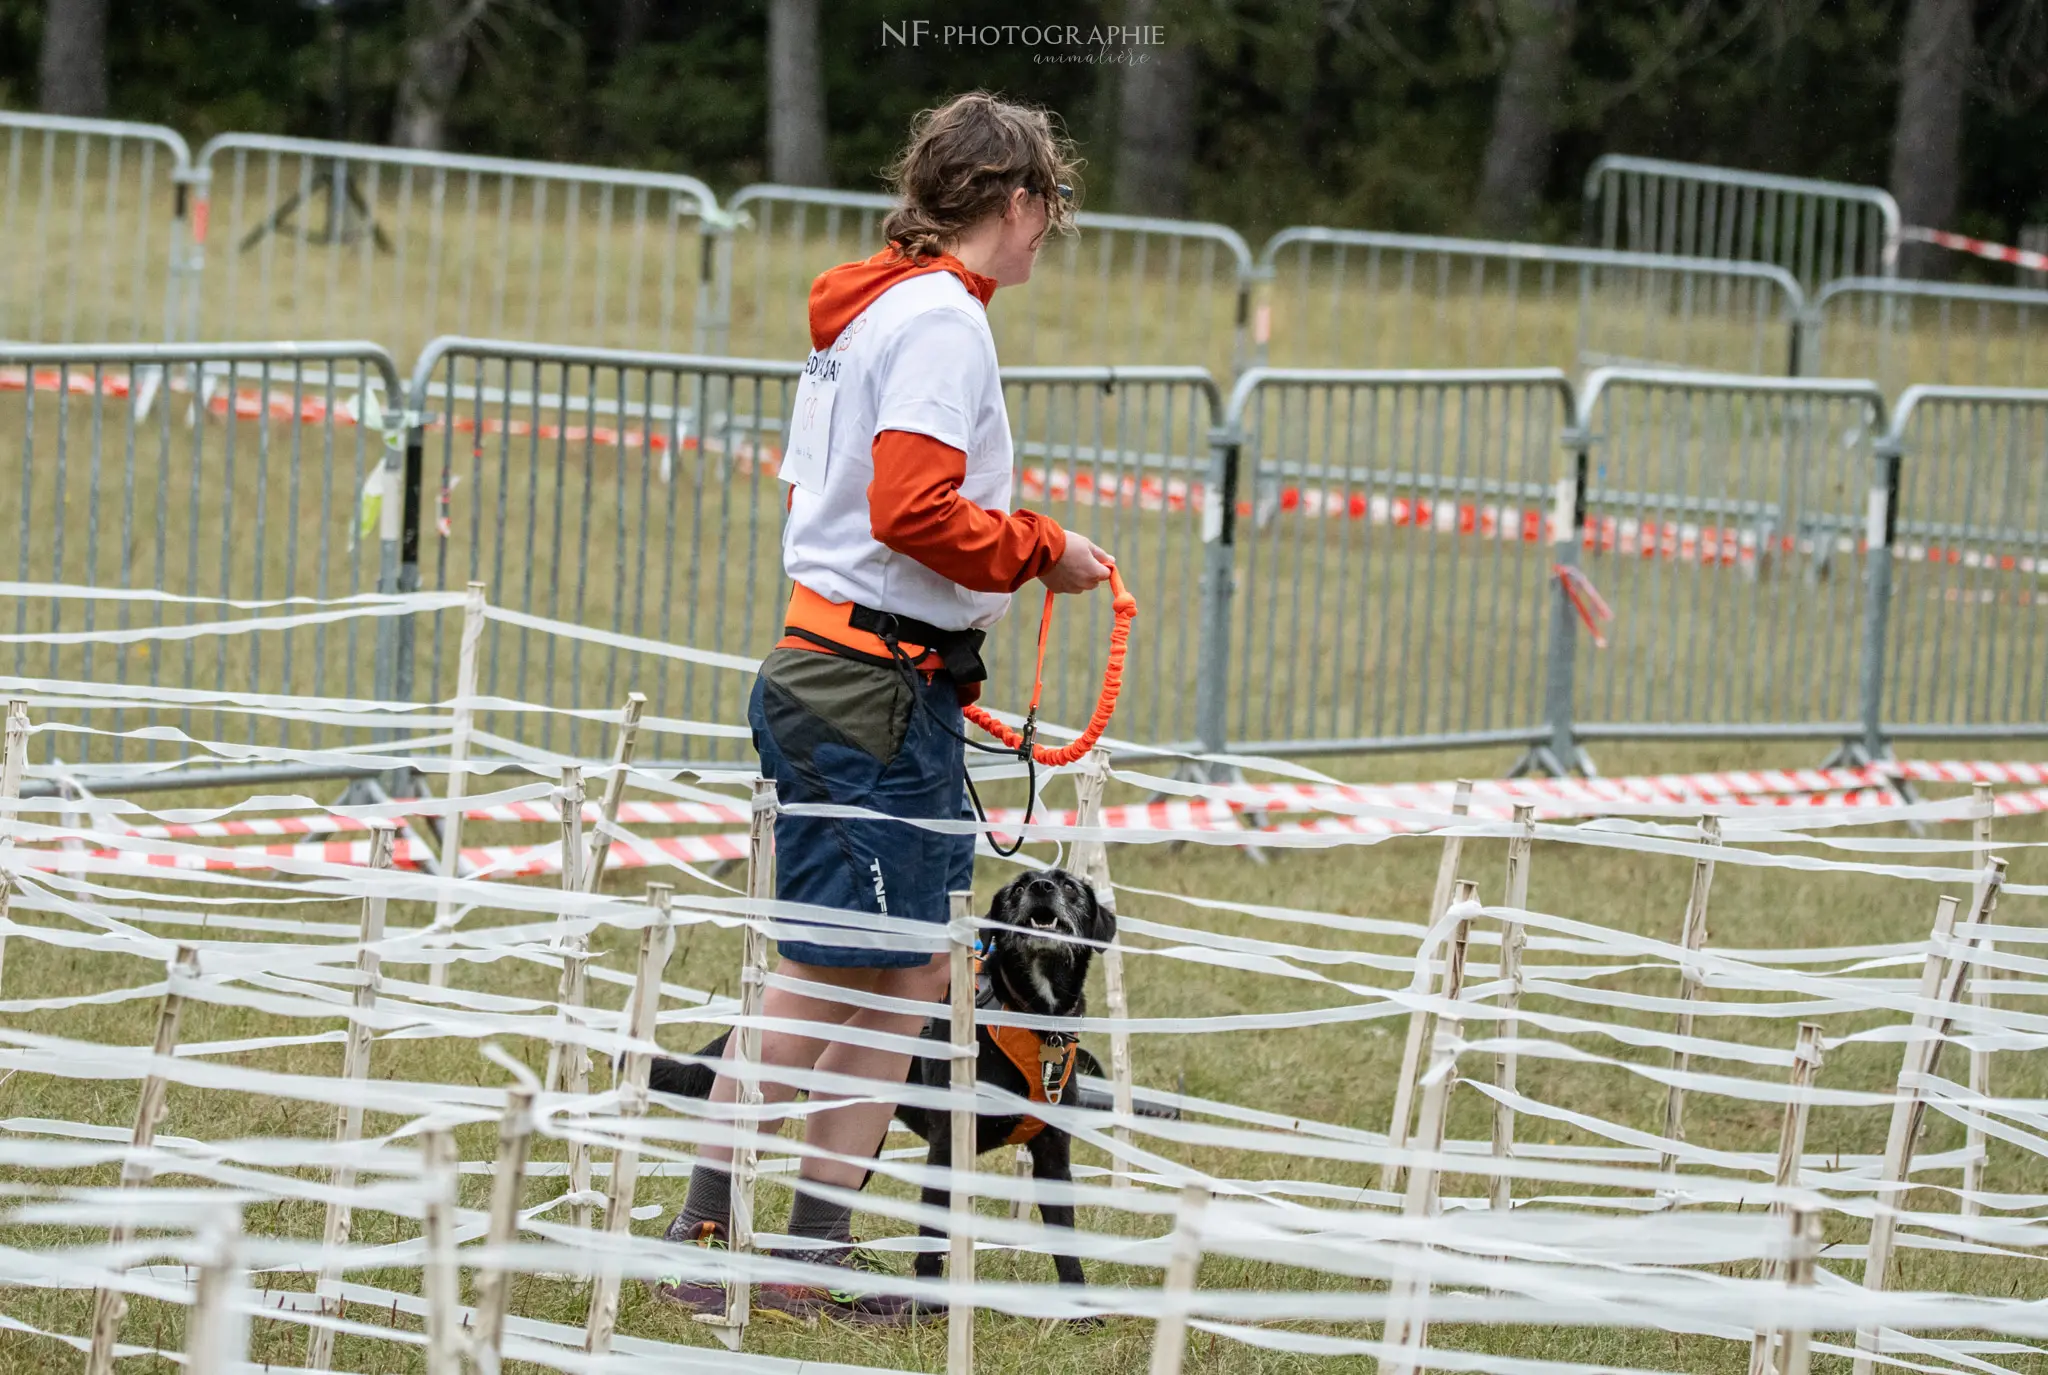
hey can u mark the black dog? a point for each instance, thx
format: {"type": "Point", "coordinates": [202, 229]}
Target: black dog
{"type": "Point", "coordinates": [1036, 963]}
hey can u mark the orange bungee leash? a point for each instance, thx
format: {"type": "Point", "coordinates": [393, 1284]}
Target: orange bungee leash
{"type": "Point", "coordinates": [1125, 608]}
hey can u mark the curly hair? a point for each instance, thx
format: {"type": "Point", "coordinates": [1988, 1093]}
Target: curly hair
{"type": "Point", "coordinates": [962, 163]}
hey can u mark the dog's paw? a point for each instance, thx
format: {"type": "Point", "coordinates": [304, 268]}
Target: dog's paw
{"type": "Point", "coordinates": [1083, 1324]}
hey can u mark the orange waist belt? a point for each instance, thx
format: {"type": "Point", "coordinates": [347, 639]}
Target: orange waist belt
{"type": "Point", "coordinates": [815, 614]}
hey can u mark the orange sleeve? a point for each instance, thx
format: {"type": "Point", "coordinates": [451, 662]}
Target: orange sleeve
{"type": "Point", "coordinates": [915, 508]}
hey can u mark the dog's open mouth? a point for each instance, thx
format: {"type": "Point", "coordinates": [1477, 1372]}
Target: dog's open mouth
{"type": "Point", "coordinates": [1040, 918]}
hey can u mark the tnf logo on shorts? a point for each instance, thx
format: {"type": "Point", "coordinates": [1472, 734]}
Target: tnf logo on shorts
{"type": "Point", "coordinates": [881, 893]}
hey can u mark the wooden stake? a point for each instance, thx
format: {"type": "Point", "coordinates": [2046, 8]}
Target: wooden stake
{"type": "Point", "coordinates": [657, 939]}
{"type": "Point", "coordinates": [1941, 981]}
{"type": "Point", "coordinates": [108, 1305]}
{"type": "Point", "coordinates": [1803, 1259]}
{"type": "Point", "coordinates": [218, 1337]}
{"type": "Point", "coordinates": [1980, 994]}
{"type": "Point", "coordinates": [508, 1182]}
{"type": "Point", "coordinates": [438, 1279]}
{"type": "Point", "coordinates": [1418, 1021]}
{"type": "Point", "coordinates": [746, 1053]}
{"type": "Point", "coordinates": [458, 755]}
{"type": "Point", "coordinates": [13, 759]}
{"type": "Point", "coordinates": [355, 1069]}
{"type": "Point", "coordinates": [1021, 1204]}
{"type": "Point", "coordinates": [569, 1060]}
{"type": "Point", "coordinates": [960, 1268]}
{"type": "Point", "coordinates": [1091, 861]}
{"type": "Point", "coordinates": [1407, 1312]}
{"type": "Point", "coordinates": [1176, 1290]}
{"type": "Point", "coordinates": [1806, 1059]}
{"type": "Point", "coordinates": [1691, 937]}
{"type": "Point", "coordinates": [614, 789]}
{"type": "Point", "coordinates": [1512, 938]}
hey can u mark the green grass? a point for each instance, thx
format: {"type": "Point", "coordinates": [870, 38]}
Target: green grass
{"type": "Point", "coordinates": [1334, 1074]}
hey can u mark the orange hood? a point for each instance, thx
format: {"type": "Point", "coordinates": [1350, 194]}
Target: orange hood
{"type": "Point", "coordinates": [845, 291]}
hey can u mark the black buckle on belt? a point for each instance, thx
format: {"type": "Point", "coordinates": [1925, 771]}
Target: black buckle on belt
{"type": "Point", "coordinates": [958, 650]}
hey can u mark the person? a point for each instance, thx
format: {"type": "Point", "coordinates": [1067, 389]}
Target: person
{"type": "Point", "coordinates": [902, 551]}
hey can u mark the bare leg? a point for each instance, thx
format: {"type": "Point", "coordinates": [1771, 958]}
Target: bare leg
{"type": "Point", "coordinates": [856, 1129]}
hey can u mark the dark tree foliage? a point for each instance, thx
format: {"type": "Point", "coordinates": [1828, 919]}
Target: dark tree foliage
{"type": "Point", "coordinates": [1359, 112]}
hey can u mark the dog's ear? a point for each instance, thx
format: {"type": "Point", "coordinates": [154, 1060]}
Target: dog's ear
{"type": "Point", "coordinates": [1100, 924]}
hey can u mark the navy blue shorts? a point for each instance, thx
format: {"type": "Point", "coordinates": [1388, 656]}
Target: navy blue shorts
{"type": "Point", "coordinates": [837, 730]}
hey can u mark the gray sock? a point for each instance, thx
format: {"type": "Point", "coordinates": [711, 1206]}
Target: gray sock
{"type": "Point", "coordinates": [818, 1220]}
{"type": "Point", "coordinates": [709, 1200]}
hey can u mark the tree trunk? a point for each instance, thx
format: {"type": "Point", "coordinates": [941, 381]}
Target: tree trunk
{"type": "Point", "coordinates": [1155, 137]}
{"type": "Point", "coordinates": [796, 95]}
{"type": "Point", "coordinates": [1934, 63]}
{"type": "Point", "coordinates": [74, 61]}
{"type": "Point", "coordinates": [635, 17]}
{"type": "Point", "coordinates": [1518, 150]}
{"type": "Point", "coordinates": [436, 53]}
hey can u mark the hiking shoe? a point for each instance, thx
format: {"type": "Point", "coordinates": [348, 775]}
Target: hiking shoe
{"type": "Point", "coordinates": [700, 1297]}
{"type": "Point", "coordinates": [809, 1302]}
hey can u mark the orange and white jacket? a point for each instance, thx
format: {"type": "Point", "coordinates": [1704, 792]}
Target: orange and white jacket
{"type": "Point", "coordinates": [901, 488]}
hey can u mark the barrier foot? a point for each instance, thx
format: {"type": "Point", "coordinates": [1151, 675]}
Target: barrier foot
{"type": "Point", "coordinates": [1542, 759]}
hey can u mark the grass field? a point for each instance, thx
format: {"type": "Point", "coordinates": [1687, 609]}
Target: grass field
{"type": "Point", "coordinates": [1339, 1075]}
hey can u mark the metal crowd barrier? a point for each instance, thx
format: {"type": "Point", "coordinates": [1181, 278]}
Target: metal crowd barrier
{"type": "Point", "coordinates": [228, 471]}
{"type": "Point", "coordinates": [1816, 230]}
{"type": "Point", "coordinates": [1965, 639]}
{"type": "Point", "coordinates": [93, 220]}
{"type": "Point", "coordinates": [306, 236]}
{"type": "Point", "coordinates": [1389, 556]}
{"type": "Point", "coordinates": [1719, 522]}
{"type": "Point", "coordinates": [1331, 561]}
{"type": "Point", "coordinates": [1359, 298]}
{"type": "Point", "coordinates": [1933, 332]}
{"type": "Point", "coordinates": [1129, 289]}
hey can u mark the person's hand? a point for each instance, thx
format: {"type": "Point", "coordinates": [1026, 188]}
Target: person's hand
{"type": "Point", "coordinates": [1082, 568]}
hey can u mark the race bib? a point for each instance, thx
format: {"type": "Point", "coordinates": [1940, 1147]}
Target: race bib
{"type": "Point", "coordinates": [808, 440]}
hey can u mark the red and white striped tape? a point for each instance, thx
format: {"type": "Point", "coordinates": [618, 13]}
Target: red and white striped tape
{"type": "Point", "coordinates": [1871, 786]}
{"type": "Point", "coordinates": [494, 861]}
{"type": "Point", "coordinates": [1982, 248]}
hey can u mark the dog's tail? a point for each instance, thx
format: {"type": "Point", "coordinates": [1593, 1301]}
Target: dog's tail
{"type": "Point", "coordinates": [1095, 1100]}
{"type": "Point", "coordinates": [685, 1080]}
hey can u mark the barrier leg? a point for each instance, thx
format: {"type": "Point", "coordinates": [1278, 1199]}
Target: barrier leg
{"type": "Point", "coordinates": [12, 761]}
{"type": "Point", "coordinates": [1806, 1059]}
{"type": "Point", "coordinates": [1512, 938]}
{"type": "Point", "coordinates": [614, 790]}
{"type": "Point", "coordinates": [508, 1182]}
{"type": "Point", "coordinates": [355, 1069]}
{"type": "Point", "coordinates": [657, 939]}
{"type": "Point", "coordinates": [1980, 1060]}
{"type": "Point", "coordinates": [1691, 936]}
{"type": "Point", "coordinates": [1941, 980]}
{"type": "Point", "coordinates": [1170, 1338]}
{"type": "Point", "coordinates": [1407, 1325]}
{"type": "Point", "coordinates": [439, 1279]}
{"type": "Point", "coordinates": [1091, 860]}
{"type": "Point", "coordinates": [746, 1052]}
{"type": "Point", "coordinates": [1418, 1021]}
{"type": "Point", "coordinates": [458, 755]}
{"type": "Point", "coordinates": [960, 1264]}
{"type": "Point", "coordinates": [108, 1305]}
